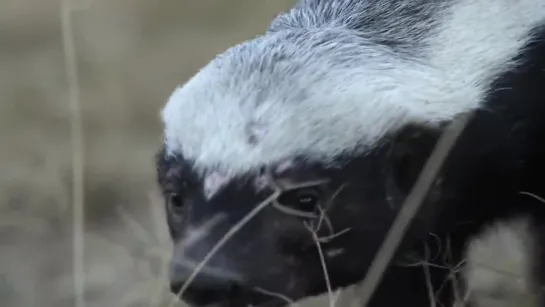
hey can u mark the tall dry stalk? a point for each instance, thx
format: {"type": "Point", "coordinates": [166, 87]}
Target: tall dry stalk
{"type": "Point", "coordinates": [77, 141]}
{"type": "Point", "coordinates": [410, 207]}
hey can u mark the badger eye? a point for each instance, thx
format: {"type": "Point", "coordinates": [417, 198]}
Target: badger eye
{"type": "Point", "coordinates": [175, 201]}
{"type": "Point", "coordinates": [306, 200]}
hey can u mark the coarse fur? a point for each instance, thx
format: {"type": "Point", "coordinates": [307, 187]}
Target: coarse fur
{"type": "Point", "coordinates": [334, 61]}
{"type": "Point", "coordinates": [352, 96]}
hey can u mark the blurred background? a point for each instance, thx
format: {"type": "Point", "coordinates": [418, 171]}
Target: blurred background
{"type": "Point", "coordinates": [129, 56]}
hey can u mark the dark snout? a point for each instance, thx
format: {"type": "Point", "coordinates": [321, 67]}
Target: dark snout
{"type": "Point", "coordinates": [215, 281]}
{"type": "Point", "coordinates": [230, 278]}
{"type": "Point", "coordinates": [271, 253]}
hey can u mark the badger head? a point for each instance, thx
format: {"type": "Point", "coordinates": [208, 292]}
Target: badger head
{"type": "Point", "coordinates": [288, 156]}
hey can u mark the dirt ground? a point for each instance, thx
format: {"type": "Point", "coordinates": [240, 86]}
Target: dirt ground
{"type": "Point", "coordinates": [130, 55]}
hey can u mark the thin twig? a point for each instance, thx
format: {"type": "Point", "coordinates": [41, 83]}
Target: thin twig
{"type": "Point", "coordinates": [76, 133]}
{"type": "Point", "coordinates": [200, 232]}
{"type": "Point", "coordinates": [453, 271]}
{"type": "Point", "coordinates": [328, 239]}
{"type": "Point", "coordinates": [323, 263]}
{"type": "Point", "coordinates": [541, 199]}
{"type": "Point", "coordinates": [284, 187]}
{"type": "Point", "coordinates": [224, 274]}
{"type": "Point", "coordinates": [427, 276]}
{"type": "Point", "coordinates": [159, 229]}
{"type": "Point", "coordinates": [453, 279]}
{"type": "Point", "coordinates": [327, 207]}
{"type": "Point", "coordinates": [277, 295]}
{"type": "Point", "coordinates": [294, 212]}
{"type": "Point", "coordinates": [411, 206]}
{"type": "Point", "coordinates": [336, 296]}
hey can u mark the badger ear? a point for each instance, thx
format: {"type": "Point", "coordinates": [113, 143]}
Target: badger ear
{"type": "Point", "coordinates": [409, 149]}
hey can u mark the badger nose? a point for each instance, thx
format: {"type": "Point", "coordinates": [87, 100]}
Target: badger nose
{"type": "Point", "coordinates": [205, 288]}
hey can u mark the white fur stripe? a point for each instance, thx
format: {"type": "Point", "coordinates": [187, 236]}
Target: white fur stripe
{"type": "Point", "coordinates": [320, 91]}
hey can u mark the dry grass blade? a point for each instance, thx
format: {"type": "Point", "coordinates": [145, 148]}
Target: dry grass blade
{"type": "Point", "coordinates": [77, 140]}
{"type": "Point", "coordinates": [215, 272]}
{"type": "Point", "coordinates": [427, 275]}
{"type": "Point", "coordinates": [277, 295]}
{"type": "Point", "coordinates": [138, 230]}
{"type": "Point", "coordinates": [294, 186]}
{"type": "Point", "coordinates": [201, 231]}
{"type": "Point", "coordinates": [451, 277]}
{"type": "Point", "coordinates": [323, 263]}
{"type": "Point", "coordinates": [294, 212]}
{"type": "Point", "coordinates": [323, 211]}
{"type": "Point", "coordinates": [410, 207]}
{"type": "Point", "coordinates": [541, 199]}
{"type": "Point", "coordinates": [454, 272]}
{"type": "Point", "coordinates": [158, 219]}
{"type": "Point", "coordinates": [333, 236]}
{"type": "Point", "coordinates": [226, 238]}
{"type": "Point", "coordinates": [159, 229]}
{"type": "Point", "coordinates": [318, 241]}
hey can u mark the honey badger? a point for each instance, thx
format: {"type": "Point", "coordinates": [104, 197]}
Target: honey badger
{"type": "Point", "coordinates": [328, 118]}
